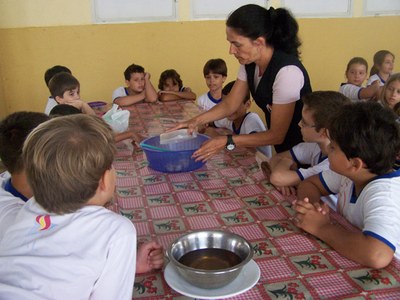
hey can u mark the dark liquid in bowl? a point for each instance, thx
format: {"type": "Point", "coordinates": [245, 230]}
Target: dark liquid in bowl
{"type": "Point", "coordinates": [210, 259]}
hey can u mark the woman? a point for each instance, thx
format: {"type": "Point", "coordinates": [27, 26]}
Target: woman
{"type": "Point", "coordinates": [266, 45]}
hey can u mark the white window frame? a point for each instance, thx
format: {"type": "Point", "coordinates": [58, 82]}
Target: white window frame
{"type": "Point", "coordinates": [130, 11]}
{"type": "Point", "coordinates": [320, 8]}
{"type": "Point", "coordinates": [218, 9]}
{"type": "Point", "coordinates": [381, 7]}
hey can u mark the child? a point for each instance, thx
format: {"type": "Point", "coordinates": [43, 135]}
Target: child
{"type": "Point", "coordinates": [215, 72]}
{"type": "Point", "coordinates": [47, 76]}
{"type": "Point", "coordinates": [65, 89]}
{"type": "Point", "coordinates": [287, 168]}
{"type": "Point", "coordinates": [242, 121]}
{"type": "Point", "coordinates": [391, 91]}
{"type": "Point", "coordinates": [13, 131]}
{"type": "Point", "coordinates": [356, 73]}
{"type": "Point", "coordinates": [171, 87]}
{"type": "Point", "coordinates": [382, 68]}
{"type": "Point", "coordinates": [365, 139]}
{"type": "Point", "coordinates": [139, 87]}
{"type": "Point", "coordinates": [64, 243]}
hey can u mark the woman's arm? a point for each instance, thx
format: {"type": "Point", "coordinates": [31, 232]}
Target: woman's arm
{"type": "Point", "coordinates": [281, 117]}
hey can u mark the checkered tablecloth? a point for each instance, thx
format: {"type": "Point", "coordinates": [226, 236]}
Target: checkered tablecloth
{"type": "Point", "coordinates": [230, 193]}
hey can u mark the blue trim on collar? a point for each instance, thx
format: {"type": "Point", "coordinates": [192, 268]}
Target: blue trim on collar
{"type": "Point", "coordinates": [324, 183]}
{"type": "Point", "coordinates": [216, 101]}
{"type": "Point", "coordinates": [393, 174]}
{"type": "Point", "coordinates": [353, 198]}
{"type": "Point", "coordinates": [12, 190]}
{"type": "Point", "coordinates": [321, 157]}
{"type": "Point", "coordinates": [126, 91]}
{"type": "Point", "coordinates": [237, 130]}
{"type": "Point", "coordinates": [293, 156]}
{"type": "Point", "coordinates": [381, 79]}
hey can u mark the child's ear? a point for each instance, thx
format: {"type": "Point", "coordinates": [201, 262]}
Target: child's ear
{"type": "Point", "coordinates": [357, 163]}
{"type": "Point", "coordinates": [58, 99]}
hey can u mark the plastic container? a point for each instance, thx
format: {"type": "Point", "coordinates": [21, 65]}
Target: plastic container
{"type": "Point", "coordinates": [178, 159]}
{"type": "Point", "coordinates": [176, 136]}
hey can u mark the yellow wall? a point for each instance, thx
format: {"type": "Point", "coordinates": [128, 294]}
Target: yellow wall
{"type": "Point", "coordinates": [98, 54]}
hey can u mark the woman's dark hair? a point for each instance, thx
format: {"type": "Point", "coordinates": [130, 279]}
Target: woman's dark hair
{"type": "Point", "coordinates": [277, 26]}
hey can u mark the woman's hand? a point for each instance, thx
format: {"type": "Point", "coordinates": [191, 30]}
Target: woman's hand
{"type": "Point", "coordinates": [192, 125]}
{"type": "Point", "coordinates": [210, 148]}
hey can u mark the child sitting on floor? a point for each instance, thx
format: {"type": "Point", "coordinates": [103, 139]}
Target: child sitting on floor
{"type": "Point", "coordinates": [356, 73]}
{"type": "Point", "coordinates": [242, 121]}
{"type": "Point", "coordinates": [64, 243]}
{"type": "Point", "coordinates": [138, 87]}
{"type": "Point", "coordinates": [65, 89]}
{"type": "Point", "coordinates": [365, 139]}
{"type": "Point", "coordinates": [286, 169]}
{"type": "Point", "coordinates": [215, 72]}
{"type": "Point", "coordinates": [171, 87]}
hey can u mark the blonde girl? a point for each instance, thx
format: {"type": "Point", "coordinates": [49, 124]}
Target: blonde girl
{"type": "Point", "coordinates": [391, 91]}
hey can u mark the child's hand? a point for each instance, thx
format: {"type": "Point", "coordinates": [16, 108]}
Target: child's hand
{"type": "Point", "coordinates": [147, 76]}
{"type": "Point", "coordinates": [150, 256]}
{"type": "Point", "coordinates": [287, 190]}
{"type": "Point", "coordinates": [310, 217]}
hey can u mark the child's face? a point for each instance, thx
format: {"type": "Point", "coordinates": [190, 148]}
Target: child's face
{"type": "Point", "coordinates": [387, 65]}
{"type": "Point", "coordinates": [356, 74]}
{"type": "Point", "coordinates": [240, 112]}
{"type": "Point", "coordinates": [170, 85]}
{"type": "Point", "coordinates": [338, 162]}
{"type": "Point", "coordinates": [214, 81]}
{"type": "Point", "coordinates": [69, 96]}
{"type": "Point", "coordinates": [136, 83]}
{"type": "Point", "coordinates": [307, 127]}
{"type": "Point", "coordinates": [392, 93]}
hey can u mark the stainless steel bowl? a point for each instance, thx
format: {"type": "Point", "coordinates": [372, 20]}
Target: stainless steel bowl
{"type": "Point", "coordinates": [206, 240]}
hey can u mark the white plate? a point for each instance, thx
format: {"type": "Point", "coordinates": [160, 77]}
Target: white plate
{"type": "Point", "coordinates": [246, 279]}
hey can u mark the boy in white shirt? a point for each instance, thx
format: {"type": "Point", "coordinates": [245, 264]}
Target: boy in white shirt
{"type": "Point", "coordinates": [287, 169]}
{"type": "Point", "coordinates": [215, 72]}
{"type": "Point", "coordinates": [365, 139]}
{"type": "Point", "coordinates": [138, 87]}
{"type": "Point", "coordinates": [51, 102]}
{"type": "Point", "coordinates": [63, 243]}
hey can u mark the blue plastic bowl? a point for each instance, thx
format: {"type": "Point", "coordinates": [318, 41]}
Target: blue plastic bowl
{"type": "Point", "coordinates": [178, 158]}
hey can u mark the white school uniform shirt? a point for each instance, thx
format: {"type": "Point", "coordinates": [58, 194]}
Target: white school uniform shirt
{"type": "Point", "coordinates": [206, 101]}
{"type": "Point", "coordinates": [310, 154]}
{"type": "Point", "coordinates": [119, 92]}
{"type": "Point", "coordinates": [374, 78]}
{"type": "Point", "coordinates": [250, 124]}
{"type": "Point", "coordinates": [50, 105]}
{"type": "Point", "coordinates": [351, 91]}
{"type": "Point", "coordinates": [375, 211]}
{"type": "Point", "coordinates": [88, 254]}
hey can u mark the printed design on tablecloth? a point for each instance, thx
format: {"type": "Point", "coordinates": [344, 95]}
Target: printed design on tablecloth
{"type": "Point", "coordinates": [129, 192]}
{"type": "Point", "coordinates": [221, 193]}
{"type": "Point", "coordinates": [125, 173]}
{"type": "Point", "coordinates": [241, 217]}
{"type": "Point", "coordinates": [239, 181]}
{"type": "Point", "coordinates": [259, 201]}
{"type": "Point", "coordinates": [293, 290]}
{"type": "Point", "coordinates": [207, 175]}
{"type": "Point", "coordinates": [267, 185]}
{"type": "Point", "coordinates": [151, 179]}
{"type": "Point", "coordinates": [279, 228]}
{"type": "Point", "coordinates": [160, 199]}
{"type": "Point", "coordinates": [134, 214]}
{"type": "Point", "coordinates": [313, 263]}
{"type": "Point", "coordinates": [185, 186]}
{"type": "Point", "coordinates": [171, 225]}
{"type": "Point", "coordinates": [263, 248]}
{"type": "Point", "coordinates": [371, 279]}
{"type": "Point", "coordinates": [196, 208]}
{"type": "Point", "coordinates": [288, 207]}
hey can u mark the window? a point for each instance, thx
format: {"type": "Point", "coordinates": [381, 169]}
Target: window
{"type": "Point", "coordinates": [319, 8]}
{"type": "Point", "coordinates": [381, 7]}
{"type": "Point", "coordinates": [117, 11]}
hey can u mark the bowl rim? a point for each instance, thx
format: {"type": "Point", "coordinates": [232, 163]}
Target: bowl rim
{"type": "Point", "coordinates": [172, 151]}
{"type": "Point", "coordinates": [203, 271]}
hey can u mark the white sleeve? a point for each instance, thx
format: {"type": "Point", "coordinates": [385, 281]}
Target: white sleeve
{"type": "Point", "coordinates": [331, 181]}
{"type": "Point", "coordinates": [351, 91]}
{"type": "Point", "coordinates": [223, 123]}
{"type": "Point", "coordinates": [119, 92]}
{"type": "Point", "coordinates": [118, 275]}
{"type": "Point", "coordinates": [242, 74]}
{"type": "Point", "coordinates": [313, 170]}
{"type": "Point", "coordinates": [303, 153]}
{"type": "Point", "coordinates": [381, 211]}
{"type": "Point", "coordinates": [287, 85]}
{"type": "Point", "coordinates": [9, 208]}
{"type": "Point", "coordinates": [252, 123]}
